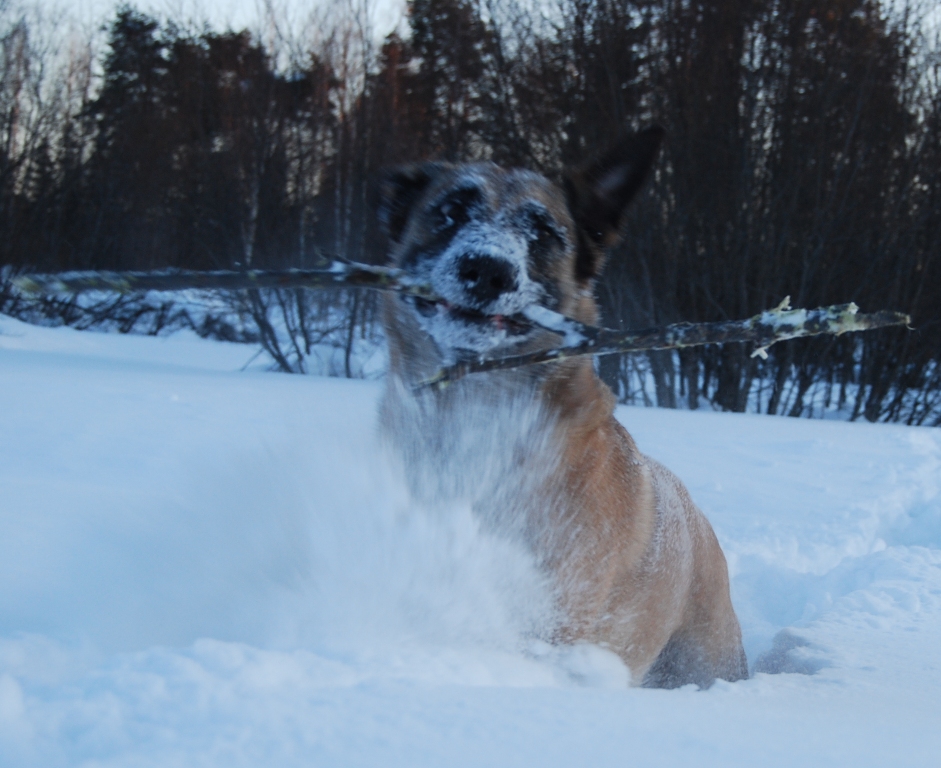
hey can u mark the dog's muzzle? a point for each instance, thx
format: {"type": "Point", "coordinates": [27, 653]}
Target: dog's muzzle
{"type": "Point", "coordinates": [485, 278]}
{"type": "Point", "coordinates": [481, 295]}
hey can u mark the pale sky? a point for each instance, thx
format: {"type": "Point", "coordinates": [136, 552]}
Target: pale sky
{"type": "Point", "coordinates": [235, 14]}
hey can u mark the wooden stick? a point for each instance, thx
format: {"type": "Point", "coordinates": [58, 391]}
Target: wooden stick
{"type": "Point", "coordinates": [578, 339]}
{"type": "Point", "coordinates": [769, 327]}
{"type": "Point", "coordinates": [339, 274]}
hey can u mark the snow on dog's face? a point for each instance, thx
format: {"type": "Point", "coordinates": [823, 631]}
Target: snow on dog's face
{"type": "Point", "coordinates": [492, 241]}
{"type": "Point", "coordinates": [489, 242]}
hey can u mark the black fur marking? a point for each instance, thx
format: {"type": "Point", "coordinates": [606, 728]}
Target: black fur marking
{"type": "Point", "coordinates": [588, 256]}
{"type": "Point", "coordinates": [456, 209]}
{"type": "Point", "coordinates": [430, 249]}
{"type": "Point", "coordinates": [447, 216]}
{"type": "Point", "coordinates": [546, 243]}
{"type": "Point", "coordinates": [544, 235]}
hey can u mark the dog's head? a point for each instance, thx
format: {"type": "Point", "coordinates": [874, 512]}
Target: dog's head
{"type": "Point", "coordinates": [492, 241]}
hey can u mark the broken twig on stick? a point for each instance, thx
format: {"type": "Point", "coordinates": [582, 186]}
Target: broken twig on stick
{"type": "Point", "coordinates": [769, 327]}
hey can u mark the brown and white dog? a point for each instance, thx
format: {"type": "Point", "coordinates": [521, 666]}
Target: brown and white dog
{"type": "Point", "coordinates": [634, 564]}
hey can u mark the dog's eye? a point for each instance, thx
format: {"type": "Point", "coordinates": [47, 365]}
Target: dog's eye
{"type": "Point", "coordinates": [451, 213]}
{"type": "Point", "coordinates": [543, 233]}
{"type": "Point", "coordinates": [456, 209]}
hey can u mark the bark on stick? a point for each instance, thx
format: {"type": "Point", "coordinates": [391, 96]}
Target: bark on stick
{"type": "Point", "coordinates": [763, 330]}
{"type": "Point", "coordinates": [338, 275]}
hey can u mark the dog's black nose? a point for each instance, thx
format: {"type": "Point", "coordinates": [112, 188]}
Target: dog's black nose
{"type": "Point", "coordinates": [484, 277]}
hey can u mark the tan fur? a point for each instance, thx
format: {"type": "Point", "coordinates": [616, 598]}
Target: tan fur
{"type": "Point", "coordinates": [636, 565]}
{"type": "Point", "coordinates": [647, 565]}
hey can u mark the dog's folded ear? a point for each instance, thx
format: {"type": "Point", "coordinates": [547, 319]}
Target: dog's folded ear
{"type": "Point", "coordinates": [399, 189]}
{"type": "Point", "coordinates": [599, 192]}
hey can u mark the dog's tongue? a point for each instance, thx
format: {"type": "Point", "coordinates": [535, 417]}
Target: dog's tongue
{"type": "Point", "coordinates": [501, 322]}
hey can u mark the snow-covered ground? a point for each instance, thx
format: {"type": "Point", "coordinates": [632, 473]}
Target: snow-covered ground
{"type": "Point", "coordinates": [202, 566]}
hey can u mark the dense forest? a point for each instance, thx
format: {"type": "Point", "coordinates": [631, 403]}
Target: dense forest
{"type": "Point", "coordinates": [803, 158]}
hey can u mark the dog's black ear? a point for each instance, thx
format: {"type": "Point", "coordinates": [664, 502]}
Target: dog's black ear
{"type": "Point", "coordinates": [399, 189]}
{"type": "Point", "coordinates": [599, 192]}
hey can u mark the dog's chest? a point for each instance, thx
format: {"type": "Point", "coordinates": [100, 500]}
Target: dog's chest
{"type": "Point", "coordinates": [491, 446]}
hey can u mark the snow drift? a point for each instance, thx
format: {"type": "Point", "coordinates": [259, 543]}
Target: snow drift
{"type": "Point", "coordinates": [201, 566]}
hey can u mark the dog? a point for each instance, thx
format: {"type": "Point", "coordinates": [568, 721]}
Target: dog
{"type": "Point", "coordinates": [634, 564]}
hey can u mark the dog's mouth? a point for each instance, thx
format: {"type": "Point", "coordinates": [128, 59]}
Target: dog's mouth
{"type": "Point", "coordinates": [512, 325]}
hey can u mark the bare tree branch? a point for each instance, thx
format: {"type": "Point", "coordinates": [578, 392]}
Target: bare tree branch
{"type": "Point", "coordinates": [769, 327]}
{"type": "Point", "coordinates": [338, 275]}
